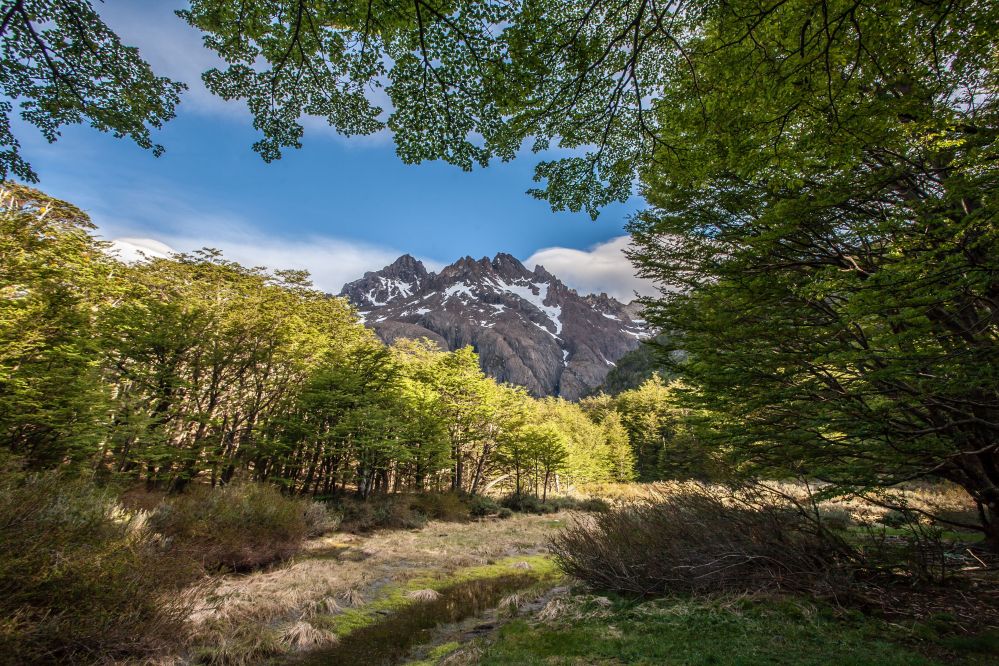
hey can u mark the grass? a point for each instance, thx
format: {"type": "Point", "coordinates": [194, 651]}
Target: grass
{"type": "Point", "coordinates": [435, 656]}
{"type": "Point", "coordinates": [338, 582]}
{"type": "Point", "coordinates": [397, 597]}
{"type": "Point", "coordinates": [725, 631]}
{"type": "Point", "coordinates": [343, 589]}
{"type": "Point", "coordinates": [938, 498]}
{"type": "Point", "coordinates": [958, 536]}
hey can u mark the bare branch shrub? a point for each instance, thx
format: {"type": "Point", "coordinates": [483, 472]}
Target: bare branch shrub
{"type": "Point", "coordinates": [697, 541]}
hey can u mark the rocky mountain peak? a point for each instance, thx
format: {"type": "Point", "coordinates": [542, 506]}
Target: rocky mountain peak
{"type": "Point", "coordinates": [407, 267]}
{"type": "Point", "coordinates": [527, 326]}
{"type": "Point", "coordinates": [404, 276]}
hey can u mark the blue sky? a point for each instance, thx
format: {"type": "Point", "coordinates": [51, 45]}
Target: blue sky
{"type": "Point", "coordinates": [337, 207]}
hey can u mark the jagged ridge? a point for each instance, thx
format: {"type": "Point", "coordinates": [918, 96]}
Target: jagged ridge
{"type": "Point", "coordinates": [527, 326]}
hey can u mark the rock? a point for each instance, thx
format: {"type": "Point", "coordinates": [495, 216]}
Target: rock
{"type": "Point", "coordinates": [527, 327]}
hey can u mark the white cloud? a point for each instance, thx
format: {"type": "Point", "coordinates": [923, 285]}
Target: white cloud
{"type": "Point", "coordinates": [131, 250]}
{"type": "Point", "coordinates": [331, 262]}
{"type": "Point", "coordinates": [602, 268]}
{"type": "Point", "coordinates": [156, 222]}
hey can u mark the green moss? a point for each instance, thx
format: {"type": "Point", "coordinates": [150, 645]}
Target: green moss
{"type": "Point", "coordinates": [394, 597]}
{"type": "Point", "coordinates": [986, 643]}
{"type": "Point", "coordinates": [435, 655]}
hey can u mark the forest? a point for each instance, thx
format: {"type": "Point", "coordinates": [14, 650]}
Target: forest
{"type": "Point", "coordinates": [206, 462]}
{"type": "Point", "coordinates": [197, 369]}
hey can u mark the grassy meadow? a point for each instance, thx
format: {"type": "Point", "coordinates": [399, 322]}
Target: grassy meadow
{"type": "Point", "coordinates": [245, 575]}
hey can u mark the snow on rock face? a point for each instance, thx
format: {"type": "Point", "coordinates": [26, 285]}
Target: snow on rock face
{"type": "Point", "coordinates": [399, 280]}
{"type": "Point", "coordinates": [522, 323]}
{"type": "Point", "coordinates": [455, 290]}
{"type": "Point", "coordinates": [527, 292]}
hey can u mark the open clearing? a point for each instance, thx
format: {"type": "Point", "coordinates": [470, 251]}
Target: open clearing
{"type": "Point", "coordinates": [487, 592]}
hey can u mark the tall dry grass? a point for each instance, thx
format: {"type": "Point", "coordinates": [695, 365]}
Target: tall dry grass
{"type": "Point", "coordinates": [81, 580]}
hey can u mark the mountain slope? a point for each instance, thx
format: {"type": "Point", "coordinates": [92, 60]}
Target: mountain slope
{"type": "Point", "coordinates": [527, 326]}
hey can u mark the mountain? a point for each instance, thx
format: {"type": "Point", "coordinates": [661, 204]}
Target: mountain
{"type": "Point", "coordinates": [528, 328]}
{"type": "Point", "coordinates": [636, 367]}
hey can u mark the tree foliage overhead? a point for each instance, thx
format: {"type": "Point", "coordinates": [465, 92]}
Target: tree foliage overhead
{"type": "Point", "coordinates": [61, 64]}
{"type": "Point", "coordinates": [466, 80]}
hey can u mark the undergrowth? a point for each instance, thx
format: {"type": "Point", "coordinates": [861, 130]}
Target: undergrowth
{"type": "Point", "coordinates": [80, 579]}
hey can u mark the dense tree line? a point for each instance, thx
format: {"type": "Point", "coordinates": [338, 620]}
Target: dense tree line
{"type": "Point", "coordinates": [195, 368]}
{"type": "Point", "coordinates": [821, 179]}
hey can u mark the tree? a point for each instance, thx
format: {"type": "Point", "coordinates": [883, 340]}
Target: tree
{"type": "Point", "coordinates": [203, 353]}
{"type": "Point", "coordinates": [551, 453]}
{"type": "Point", "coordinates": [587, 458]}
{"type": "Point", "coordinates": [53, 276]}
{"type": "Point", "coordinates": [620, 456]}
{"type": "Point", "coordinates": [834, 242]}
{"type": "Point", "coordinates": [62, 65]}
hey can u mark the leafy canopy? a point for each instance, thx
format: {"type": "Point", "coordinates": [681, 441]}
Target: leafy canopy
{"type": "Point", "coordinates": [60, 65]}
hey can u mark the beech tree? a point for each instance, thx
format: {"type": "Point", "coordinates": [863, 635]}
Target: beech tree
{"type": "Point", "coordinates": [828, 223]}
{"type": "Point", "coordinates": [53, 275]}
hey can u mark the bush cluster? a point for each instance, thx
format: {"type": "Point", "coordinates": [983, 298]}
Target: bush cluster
{"type": "Point", "coordinates": [696, 542]}
{"type": "Point", "coordinates": [525, 503]}
{"type": "Point", "coordinates": [377, 512]}
{"type": "Point", "coordinates": [441, 506]}
{"type": "Point", "coordinates": [238, 527]}
{"type": "Point", "coordinates": [320, 519]}
{"type": "Point", "coordinates": [483, 505]}
{"type": "Point", "coordinates": [80, 579]}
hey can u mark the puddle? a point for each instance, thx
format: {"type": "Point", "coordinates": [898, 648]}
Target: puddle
{"type": "Point", "coordinates": [389, 640]}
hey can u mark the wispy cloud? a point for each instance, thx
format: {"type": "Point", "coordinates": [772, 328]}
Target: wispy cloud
{"type": "Point", "coordinates": [602, 268]}
{"type": "Point", "coordinates": [331, 262]}
{"type": "Point", "coordinates": [158, 222]}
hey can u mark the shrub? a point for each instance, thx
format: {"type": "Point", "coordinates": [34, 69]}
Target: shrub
{"type": "Point", "coordinates": [379, 512]}
{"type": "Point", "coordinates": [81, 580]}
{"type": "Point", "coordinates": [836, 518]}
{"type": "Point", "coordinates": [524, 503]}
{"type": "Point", "coordinates": [241, 526]}
{"type": "Point", "coordinates": [594, 505]}
{"type": "Point", "coordinates": [504, 513]}
{"type": "Point", "coordinates": [896, 519]}
{"type": "Point", "coordinates": [695, 541]}
{"type": "Point", "coordinates": [320, 519]}
{"type": "Point", "coordinates": [481, 505]}
{"type": "Point", "coordinates": [440, 506]}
